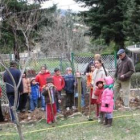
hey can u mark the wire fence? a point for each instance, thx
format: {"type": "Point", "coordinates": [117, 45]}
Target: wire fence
{"type": "Point", "coordinates": [77, 62]}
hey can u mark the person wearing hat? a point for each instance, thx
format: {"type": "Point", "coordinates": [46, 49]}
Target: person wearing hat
{"type": "Point", "coordinates": [10, 85]}
{"type": "Point", "coordinates": [125, 69]}
{"type": "Point", "coordinates": [59, 83]}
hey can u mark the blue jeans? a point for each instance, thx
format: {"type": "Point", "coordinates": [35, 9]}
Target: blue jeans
{"type": "Point", "coordinates": [33, 103]}
{"type": "Point", "coordinates": [109, 115]}
{"type": "Point", "coordinates": [43, 102]}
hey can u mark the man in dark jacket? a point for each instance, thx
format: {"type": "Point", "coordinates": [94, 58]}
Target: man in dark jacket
{"type": "Point", "coordinates": [125, 68]}
{"type": "Point", "coordinates": [10, 85]}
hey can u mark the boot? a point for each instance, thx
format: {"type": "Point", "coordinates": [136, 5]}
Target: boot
{"type": "Point", "coordinates": [106, 121]}
{"type": "Point", "coordinates": [109, 122]}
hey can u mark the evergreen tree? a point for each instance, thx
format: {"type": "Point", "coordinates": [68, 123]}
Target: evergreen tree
{"type": "Point", "coordinates": [105, 19]}
{"type": "Point", "coordinates": [132, 21]}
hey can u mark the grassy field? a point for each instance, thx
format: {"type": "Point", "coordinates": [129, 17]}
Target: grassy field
{"type": "Point", "coordinates": [124, 128]}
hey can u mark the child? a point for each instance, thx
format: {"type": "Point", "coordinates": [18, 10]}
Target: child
{"type": "Point", "coordinates": [51, 94]}
{"type": "Point", "coordinates": [69, 88]}
{"type": "Point", "coordinates": [24, 95]}
{"type": "Point", "coordinates": [107, 101]}
{"type": "Point", "coordinates": [59, 83]}
{"type": "Point", "coordinates": [90, 76]}
{"type": "Point", "coordinates": [90, 83]}
{"type": "Point", "coordinates": [34, 95]}
{"type": "Point", "coordinates": [98, 92]}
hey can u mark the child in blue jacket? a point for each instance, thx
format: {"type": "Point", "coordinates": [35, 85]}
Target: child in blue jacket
{"type": "Point", "coordinates": [35, 93]}
{"type": "Point", "coordinates": [69, 88]}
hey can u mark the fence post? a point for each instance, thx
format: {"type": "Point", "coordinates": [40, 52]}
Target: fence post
{"type": "Point", "coordinates": [61, 65]}
{"type": "Point", "coordinates": [79, 93]}
{"type": "Point", "coordinates": [115, 55]}
{"type": "Point", "coordinates": [72, 61]}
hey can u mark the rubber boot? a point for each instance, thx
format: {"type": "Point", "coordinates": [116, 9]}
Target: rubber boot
{"type": "Point", "coordinates": [109, 122]}
{"type": "Point", "coordinates": [106, 121]}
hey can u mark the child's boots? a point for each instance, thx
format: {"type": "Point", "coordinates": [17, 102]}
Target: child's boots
{"type": "Point", "coordinates": [106, 121]}
{"type": "Point", "coordinates": [109, 122]}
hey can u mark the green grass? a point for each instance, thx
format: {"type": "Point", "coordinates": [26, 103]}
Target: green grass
{"type": "Point", "coordinates": [126, 128]}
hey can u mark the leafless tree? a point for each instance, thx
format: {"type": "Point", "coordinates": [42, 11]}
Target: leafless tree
{"type": "Point", "coordinates": [15, 86]}
{"type": "Point", "coordinates": [63, 35]}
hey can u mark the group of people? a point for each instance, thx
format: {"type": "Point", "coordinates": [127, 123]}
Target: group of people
{"type": "Point", "coordinates": [36, 88]}
{"type": "Point", "coordinates": [103, 88]}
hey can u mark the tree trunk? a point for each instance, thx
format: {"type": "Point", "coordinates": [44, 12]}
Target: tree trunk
{"type": "Point", "coordinates": [17, 123]}
{"type": "Point", "coordinates": [16, 47]}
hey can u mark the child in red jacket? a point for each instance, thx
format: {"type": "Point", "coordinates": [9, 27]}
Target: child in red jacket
{"type": "Point", "coordinates": [98, 92]}
{"type": "Point", "coordinates": [59, 83]}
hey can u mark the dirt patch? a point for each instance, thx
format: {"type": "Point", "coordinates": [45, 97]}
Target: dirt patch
{"type": "Point", "coordinates": [38, 114]}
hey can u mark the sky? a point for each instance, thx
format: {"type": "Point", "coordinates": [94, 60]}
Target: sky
{"type": "Point", "coordinates": [64, 4]}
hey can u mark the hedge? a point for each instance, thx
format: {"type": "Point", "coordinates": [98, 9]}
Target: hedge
{"type": "Point", "coordinates": [135, 80]}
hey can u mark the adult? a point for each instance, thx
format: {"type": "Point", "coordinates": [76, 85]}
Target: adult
{"type": "Point", "coordinates": [99, 73]}
{"type": "Point", "coordinates": [41, 79]}
{"type": "Point", "coordinates": [88, 68]}
{"type": "Point", "coordinates": [69, 87]}
{"type": "Point", "coordinates": [16, 74]}
{"type": "Point", "coordinates": [125, 68]}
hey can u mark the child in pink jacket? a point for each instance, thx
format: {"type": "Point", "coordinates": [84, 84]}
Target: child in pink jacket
{"type": "Point", "coordinates": [107, 101]}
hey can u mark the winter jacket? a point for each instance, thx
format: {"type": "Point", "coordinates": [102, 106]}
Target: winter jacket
{"type": "Point", "coordinates": [35, 92]}
{"type": "Point", "coordinates": [89, 78]}
{"type": "Point", "coordinates": [98, 92]}
{"type": "Point", "coordinates": [97, 74]}
{"type": "Point", "coordinates": [124, 67]}
{"type": "Point", "coordinates": [26, 85]}
{"type": "Point", "coordinates": [54, 95]}
{"type": "Point", "coordinates": [69, 83]}
{"type": "Point", "coordinates": [83, 87]}
{"type": "Point", "coordinates": [41, 79]}
{"type": "Point", "coordinates": [7, 79]}
{"type": "Point", "coordinates": [107, 101]}
{"type": "Point", "coordinates": [59, 82]}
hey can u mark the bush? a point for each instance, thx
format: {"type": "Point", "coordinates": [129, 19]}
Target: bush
{"type": "Point", "coordinates": [135, 80]}
{"type": "Point", "coordinates": [137, 67]}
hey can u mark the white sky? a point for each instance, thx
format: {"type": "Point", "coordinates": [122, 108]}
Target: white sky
{"type": "Point", "coordinates": [64, 4]}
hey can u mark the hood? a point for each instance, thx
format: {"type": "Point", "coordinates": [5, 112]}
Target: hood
{"type": "Point", "coordinates": [108, 80]}
{"type": "Point", "coordinates": [100, 80]}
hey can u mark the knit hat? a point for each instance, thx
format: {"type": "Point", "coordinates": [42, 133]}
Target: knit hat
{"type": "Point", "coordinates": [100, 81]}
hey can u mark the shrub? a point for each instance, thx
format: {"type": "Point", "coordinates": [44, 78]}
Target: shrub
{"type": "Point", "coordinates": [135, 80]}
{"type": "Point", "coordinates": [137, 67]}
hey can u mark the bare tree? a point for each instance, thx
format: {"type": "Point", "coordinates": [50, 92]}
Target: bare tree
{"type": "Point", "coordinates": [15, 87]}
{"type": "Point", "coordinates": [63, 35]}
